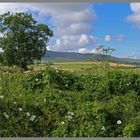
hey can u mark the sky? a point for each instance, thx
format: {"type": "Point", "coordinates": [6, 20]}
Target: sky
{"type": "Point", "coordinates": [82, 27]}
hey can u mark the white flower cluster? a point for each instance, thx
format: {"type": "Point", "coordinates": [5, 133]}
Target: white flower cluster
{"type": "Point", "coordinates": [1, 96]}
{"type": "Point", "coordinates": [128, 84]}
{"type": "Point", "coordinates": [6, 115]}
{"type": "Point", "coordinates": [27, 114]}
{"type": "Point", "coordinates": [36, 79]}
{"type": "Point", "coordinates": [70, 115]}
{"type": "Point", "coordinates": [20, 109]}
{"type": "Point", "coordinates": [119, 122]}
{"type": "Point", "coordinates": [32, 118]}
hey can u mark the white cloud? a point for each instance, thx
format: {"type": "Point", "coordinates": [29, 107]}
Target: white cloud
{"type": "Point", "coordinates": [135, 16]}
{"type": "Point", "coordinates": [107, 38]}
{"type": "Point", "coordinates": [86, 50]}
{"type": "Point", "coordinates": [73, 22]}
{"type": "Point", "coordinates": [73, 42]}
{"type": "Point", "coordinates": [82, 50]}
{"type": "Point", "coordinates": [120, 38]}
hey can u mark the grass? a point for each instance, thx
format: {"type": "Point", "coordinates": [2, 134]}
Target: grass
{"type": "Point", "coordinates": [89, 67]}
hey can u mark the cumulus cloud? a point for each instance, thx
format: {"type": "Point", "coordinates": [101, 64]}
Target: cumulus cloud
{"type": "Point", "coordinates": [120, 37]}
{"type": "Point", "coordinates": [135, 16]}
{"type": "Point", "coordinates": [73, 42]}
{"type": "Point", "coordinates": [86, 50]}
{"type": "Point", "coordinates": [73, 22]}
{"type": "Point", "coordinates": [107, 38]}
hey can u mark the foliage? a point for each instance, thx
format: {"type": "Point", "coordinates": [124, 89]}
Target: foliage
{"type": "Point", "coordinates": [57, 103]}
{"type": "Point", "coordinates": [23, 40]}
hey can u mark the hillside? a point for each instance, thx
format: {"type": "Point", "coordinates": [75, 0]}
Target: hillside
{"type": "Point", "coordinates": [72, 56]}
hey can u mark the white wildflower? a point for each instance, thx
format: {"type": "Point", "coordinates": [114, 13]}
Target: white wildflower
{"type": "Point", "coordinates": [27, 114]}
{"type": "Point", "coordinates": [44, 100]}
{"type": "Point", "coordinates": [15, 103]}
{"type": "Point", "coordinates": [66, 85]}
{"type": "Point", "coordinates": [33, 118]}
{"type": "Point", "coordinates": [70, 113]}
{"type": "Point", "coordinates": [57, 71]}
{"type": "Point", "coordinates": [119, 122]}
{"type": "Point", "coordinates": [36, 79]}
{"type": "Point", "coordinates": [128, 83]}
{"type": "Point", "coordinates": [20, 109]}
{"type": "Point", "coordinates": [62, 122]}
{"type": "Point", "coordinates": [1, 96]}
{"type": "Point", "coordinates": [6, 115]}
{"type": "Point", "coordinates": [43, 74]}
{"type": "Point", "coordinates": [103, 128]}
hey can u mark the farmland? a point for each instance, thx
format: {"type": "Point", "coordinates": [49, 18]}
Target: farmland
{"type": "Point", "coordinates": [75, 99]}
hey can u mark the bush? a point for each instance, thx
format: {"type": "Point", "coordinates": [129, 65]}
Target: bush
{"type": "Point", "coordinates": [40, 104]}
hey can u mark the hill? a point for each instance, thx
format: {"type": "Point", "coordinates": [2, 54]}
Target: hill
{"type": "Point", "coordinates": [72, 56]}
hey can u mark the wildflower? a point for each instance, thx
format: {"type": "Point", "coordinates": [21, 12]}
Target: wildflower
{"type": "Point", "coordinates": [6, 115]}
{"type": "Point", "coordinates": [15, 103]}
{"type": "Point", "coordinates": [36, 79]}
{"type": "Point", "coordinates": [1, 96]}
{"type": "Point", "coordinates": [20, 109]}
{"type": "Point", "coordinates": [103, 128]}
{"type": "Point", "coordinates": [70, 113]}
{"type": "Point", "coordinates": [33, 118]}
{"type": "Point", "coordinates": [62, 122]}
{"type": "Point", "coordinates": [57, 71]}
{"type": "Point", "coordinates": [43, 74]}
{"type": "Point", "coordinates": [119, 122]}
{"type": "Point", "coordinates": [44, 100]}
{"type": "Point", "coordinates": [66, 85]}
{"type": "Point", "coordinates": [27, 114]}
{"type": "Point", "coordinates": [128, 83]}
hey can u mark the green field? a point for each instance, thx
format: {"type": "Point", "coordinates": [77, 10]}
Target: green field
{"type": "Point", "coordinates": [73, 99]}
{"type": "Point", "coordinates": [89, 67]}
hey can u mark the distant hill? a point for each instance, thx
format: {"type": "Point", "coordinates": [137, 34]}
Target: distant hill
{"type": "Point", "coordinates": [72, 56]}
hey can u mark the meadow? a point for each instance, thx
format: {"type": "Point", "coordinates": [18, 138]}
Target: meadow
{"type": "Point", "coordinates": [73, 99]}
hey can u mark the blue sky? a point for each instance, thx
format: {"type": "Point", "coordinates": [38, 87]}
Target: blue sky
{"type": "Point", "coordinates": [112, 20]}
{"type": "Point", "coordinates": [81, 27]}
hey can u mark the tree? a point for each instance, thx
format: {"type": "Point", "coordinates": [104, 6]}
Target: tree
{"type": "Point", "coordinates": [23, 40]}
{"type": "Point", "coordinates": [106, 52]}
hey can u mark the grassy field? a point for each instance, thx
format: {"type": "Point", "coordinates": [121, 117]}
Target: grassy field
{"type": "Point", "coordinates": [89, 67]}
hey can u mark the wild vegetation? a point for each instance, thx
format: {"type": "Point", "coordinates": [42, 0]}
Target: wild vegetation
{"type": "Point", "coordinates": [57, 103]}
